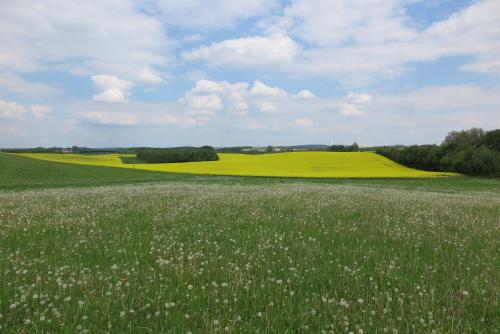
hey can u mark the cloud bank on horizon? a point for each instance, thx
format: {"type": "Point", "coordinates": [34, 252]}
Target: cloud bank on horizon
{"type": "Point", "coordinates": [253, 72]}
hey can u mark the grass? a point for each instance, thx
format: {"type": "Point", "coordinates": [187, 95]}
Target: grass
{"type": "Point", "coordinates": [283, 258]}
{"type": "Point", "coordinates": [82, 251]}
{"type": "Point", "coordinates": [292, 164]}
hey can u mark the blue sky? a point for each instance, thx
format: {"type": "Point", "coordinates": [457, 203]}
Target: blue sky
{"type": "Point", "coordinates": [254, 72]}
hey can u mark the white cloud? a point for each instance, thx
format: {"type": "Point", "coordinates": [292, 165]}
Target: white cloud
{"type": "Point", "coordinates": [254, 126]}
{"type": "Point", "coordinates": [262, 90]}
{"type": "Point", "coordinates": [239, 102]}
{"type": "Point", "coordinates": [359, 98]}
{"type": "Point", "coordinates": [193, 38]}
{"type": "Point", "coordinates": [442, 99]}
{"type": "Point", "coordinates": [208, 96]}
{"type": "Point", "coordinates": [351, 104]}
{"type": "Point", "coordinates": [111, 89]}
{"type": "Point", "coordinates": [202, 105]}
{"type": "Point", "coordinates": [135, 114]}
{"type": "Point", "coordinates": [359, 41]}
{"type": "Point", "coordinates": [485, 67]}
{"type": "Point", "coordinates": [15, 111]}
{"type": "Point", "coordinates": [268, 107]}
{"type": "Point", "coordinates": [12, 110]}
{"type": "Point", "coordinates": [349, 110]}
{"type": "Point", "coordinates": [237, 99]}
{"type": "Point", "coordinates": [305, 94]}
{"type": "Point", "coordinates": [212, 14]}
{"type": "Point", "coordinates": [108, 118]}
{"type": "Point", "coordinates": [81, 37]}
{"type": "Point", "coordinates": [259, 52]}
{"type": "Point", "coordinates": [149, 77]}
{"type": "Point", "coordinates": [13, 83]}
{"type": "Point", "coordinates": [303, 122]}
{"type": "Point", "coordinates": [204, 86]}
{"type": "Point", "coordinates": [40, 110]}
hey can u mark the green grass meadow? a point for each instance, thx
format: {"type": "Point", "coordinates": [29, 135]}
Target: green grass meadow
{"type": "Point", "coordinates": [87, 249]}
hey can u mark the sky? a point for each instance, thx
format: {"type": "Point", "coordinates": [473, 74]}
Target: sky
{"type": "Point", "coordinates": [246, 72]}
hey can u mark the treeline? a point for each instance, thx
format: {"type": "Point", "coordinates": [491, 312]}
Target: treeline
{"type": "Point", "coordinates": [73, 149]}
{"type": "Point", "coordinates": [344, 148]}
{"type": "Point", "coordinates": [471, 152]}
{"type": "Point", "coordinates": [166, 155]}
{"type": "Point", "coordinates": [33, 150]}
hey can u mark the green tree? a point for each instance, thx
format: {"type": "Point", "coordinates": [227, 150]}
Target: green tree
{"type": "Point", "coordinates": [493, 139]}
{"type": "Point", "coordinates": [460, 140]}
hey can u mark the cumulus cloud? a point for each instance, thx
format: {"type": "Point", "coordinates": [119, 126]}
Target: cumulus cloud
{"type": "Point", "coordinates": [208, 96]}
{"type": "Point", "coordinates": [359, 98]}
{"type": "Point", "coordinates": [305, 94]}
{"type": "Point", "coordinates": [211, 14]}
{"type": "Point", "coordinates": [262, 90]}
{"type": "Point", "coordinates": [111, 89]}
{"type": "Point", "coordinates": [255, 52]}
{"type": "Point", "coordinates": [349, 109]}
{"type": "Point", "coordinates": [350, 106]}
{"type": "Point", "coordinates": [15, 111]}
{"type": "Point", "coordinates": [358, 41]}
{"type": "Point", "coordinates": [81, 37]}
{"type": "Point", "coordinates": [202, 105]}
{"type": "Point", "coordinates": [268, 107]}
{"type": "Point", "coordinates": [12, 110]}
{"type": "Point", "coordinates": [149, 77]}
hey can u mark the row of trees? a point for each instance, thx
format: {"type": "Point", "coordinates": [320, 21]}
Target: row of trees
{"type": "Point", "coordinates": [471, 152]}
{"type": "Point", "coordinates": [156, 155]}
{"type": "Point", "coordinates": [33, 150]}
{"type": "Point", "coordinates": [344, 148]}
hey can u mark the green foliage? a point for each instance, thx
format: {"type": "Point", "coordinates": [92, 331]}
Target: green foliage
{"type": "Point", "coordinates": [471, 152]}
{"type": "Point", "coordinates": [33, 150]}
{"type": "Point", "coordinates": [344, 148]}
{"type": "Point", "coordinates": [493, 140]}
{"type": "Point", "coordinates": [205, 153]}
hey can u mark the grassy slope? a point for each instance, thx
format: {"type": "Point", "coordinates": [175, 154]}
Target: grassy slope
{"type": "Point", "coordinates": [22, 173]}
{"type": "Point", "coordinates": [19, 173]}
{"type": "Point", "coordinates": [290, 164]}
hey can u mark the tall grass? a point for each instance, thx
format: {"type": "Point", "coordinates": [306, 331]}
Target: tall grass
{"type": "Point", "coordinates": [275, 258]}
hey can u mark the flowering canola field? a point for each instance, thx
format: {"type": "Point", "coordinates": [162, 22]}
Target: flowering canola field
{"type": "Point", "coordinates": [291, 164]}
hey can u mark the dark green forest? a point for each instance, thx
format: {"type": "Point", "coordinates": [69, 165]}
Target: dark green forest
{"type": "Point", "coordinates": [166, 155]}
{"type": "Point", "coordinates": [470, 152]}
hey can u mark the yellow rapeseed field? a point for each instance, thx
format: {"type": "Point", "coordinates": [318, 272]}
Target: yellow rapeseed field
{"type": "Point", "coordinates": [291, 164]}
